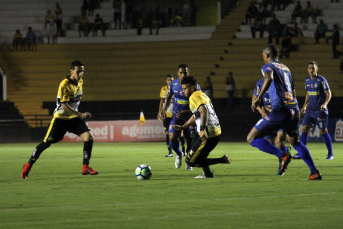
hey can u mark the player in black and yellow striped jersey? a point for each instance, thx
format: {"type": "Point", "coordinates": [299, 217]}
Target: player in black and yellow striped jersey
{"type": "Point", "coordinates": [67, 118]}
{"type": "Point", "coordinates": [208, 128]}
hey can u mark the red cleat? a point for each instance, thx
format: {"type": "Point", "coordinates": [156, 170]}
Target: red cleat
{"type": "Point", "coordinates": [284, 163]}
{"type": "Point", "coordinates": [316, 176]}
{"type": "Point", "coordinates": [26, 169]}
{"type": "Point", "coordinates": [86, 170]}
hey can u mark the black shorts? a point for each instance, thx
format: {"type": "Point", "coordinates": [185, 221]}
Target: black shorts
{"type": "Point", "coordinates": [59, 127]}
{"type": "Point", "coordinates": [201, 150]}
{"type": "Point", "coordinates": [166, 123]}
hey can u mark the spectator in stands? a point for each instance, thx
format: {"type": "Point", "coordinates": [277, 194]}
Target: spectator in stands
{"type": "Point", "coordinates": [295, 31]}
{"type": "Point", "coordinates": [284, 3]}
{"type": "Point", "coordinates": [297, 12]}
{"type": "Point", "coordinates": [208, 88]}
{"type": "Point", "coordinates": [286, 45]}
{"type": "Point", "coordinates": [30, 40]}
{"type": "Point", "coordinates": [186, 12]}
{"type": "Point", "coordinates": [230, 88]}
{"type": "Point", "coordinates": [251, 13]}
{"type": "Point", "coordinates": [321, 31]}
{"type": "Point", "coordinates": [335, 41]}
{"type": "Point", "coordinates": [83, 25]}
{"type": "Point", "coordinates": [98, 24]}
{"type": "Point", "coordinates": [117, 13]}
{"type": "Point", "coordinates": [256, 25]}
{"type": "Point", "coordinates": [140, 26]}
{"type": "Point", "coordinates": [88, 5]}
{"type": "Point", "coordinates": [128, 14]}
{"type": "Point", "coordinates": [177, 22]}
{"type": "Point", "coordinates": [194, 10]}
{"type": "Point", "coordinates": [309, 11]}
{"type": "Point", "coordinates": [17, 41]}
{"type": "Point", "coordinates": [274, 30]}
{"type": "Point", "coordinates": [58, 13]}
{"type": "Point", "coordinates": [122, 14]}
{"type": "Point", "coordinates": [154, 25]}
{"type": "Point", "coordinates": [262, 12]}
{"type": "Point", "coordinates": [50, 26]}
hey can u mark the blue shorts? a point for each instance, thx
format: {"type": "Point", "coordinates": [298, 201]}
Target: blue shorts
{"type": "Point", "coordinates": [273, 135]}
{"type": "Point", "coordinates": [189, 133]}
{"type": "Point", "coordinates": [284, 118]}
{"type": "Point", "coordinates": [319, 118]}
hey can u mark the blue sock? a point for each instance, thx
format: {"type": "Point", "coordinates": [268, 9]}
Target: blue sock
{"type": "Point", "coordinates": [265, 146]}
{"type": "Point", "coordinates": [176, 147]}
{"type": "Point", "coordinates": [306, 156]}
{"type": "Point", "coordinates": [286, 150]}
{"type": "Point", "coordinates": [304, 138]}
{"type": "Point", "coordinates": [328, 143]}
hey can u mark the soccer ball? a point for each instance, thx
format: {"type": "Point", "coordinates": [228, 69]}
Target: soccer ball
{"type": "Point", "coordinates": [143, 172]}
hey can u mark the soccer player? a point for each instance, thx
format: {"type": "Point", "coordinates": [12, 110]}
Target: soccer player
{"type": "Point", "coordinates": [285, 113]}
{"type": "Point", "coordinates": [181, 114]}
{"type": "Point", "coordinates": [67, 118]}
{"type": "Point", "coordinates": [169, 112]}
{"type": "Point", "coordinates": [208, 128]}
{"type": "Point", "coordinates": [264, 108]}
{"type": "Point", "coordinates": [315, 107]}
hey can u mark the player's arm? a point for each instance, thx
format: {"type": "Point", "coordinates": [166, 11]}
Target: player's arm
{"type": "Point", "coordinates": [184, 113]}
{"type": "Point", "coordinates": [324, 106]}
{"type": "Point", "coordinates": [190, 122]}
{"type": "Point", "coordinates": [266, 84]}
{"type": "Point", "coordinates": [165, 106]}
{"type": "Point", "coordinates": [258, 108]}
{"type": "Point", "coordinates": [70, 110]}
{"type": "Point", "coordinates": [203, 121]}
{"type": "Point", "coordinates": [160, 110]}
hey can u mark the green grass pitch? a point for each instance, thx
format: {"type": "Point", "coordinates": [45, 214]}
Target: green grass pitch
{"type": "Point", "coordinates": [244, 194]}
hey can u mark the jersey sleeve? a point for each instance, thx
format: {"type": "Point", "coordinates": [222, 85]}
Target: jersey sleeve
{"type": "Point", "coordinates": [170, 90]}
{"type": "Point", "coordinates": [64, 93]}
{"type": "Point", "coordinates": [162, 95]}
{"type": "Point", "coordinates": [266, 68]}
{"type": "Point", "coordinates": [257, 89]}
{"type": "Point", "coordinates": [195, 101]}
{"type": "Point", "coordinates": [325, 84]}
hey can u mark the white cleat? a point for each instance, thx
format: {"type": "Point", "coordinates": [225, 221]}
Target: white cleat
{"type": "Point", "coordinates": [227, 159]}
{"type": "Point", "coordinates": [204, 176]}
{"type": "Point", "coordinates": [189, 167]}
{"type": "Point", "coordinates": [178, 161]}
{"type": "Point", "coordinates": [330, 157]}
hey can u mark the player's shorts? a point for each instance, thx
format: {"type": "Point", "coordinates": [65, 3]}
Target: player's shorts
{"type": "Point", "coordinates": [59, 127]}
{"type": "Point", "coordinates": [200, 150]}
{"type": "Point", "coordinates": [283, 118]}
{"type": "Point", "coordinates": [189, 133]}
{"type": "Point", "coordinates": [319, 118]}
{"type": "Point", "coordinates": [166, 123]}
{"type": "Point", "coordinates": [273, 135]}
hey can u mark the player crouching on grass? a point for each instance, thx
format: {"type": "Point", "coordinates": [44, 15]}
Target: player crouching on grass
{"type": "Point", "coordinates": [208, 128]}
{"type": "Point", "coordinates": [67, 118]}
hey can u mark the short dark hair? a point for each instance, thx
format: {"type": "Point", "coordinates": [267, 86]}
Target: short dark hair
{"type": "Point", "coordinates": [170, 76]}
{"type": "Point", "coordinates": [272, 50]}
{"type": "Point", "coordinates": [189, 80]}
{"type": "Point", "coordinates": [313, 62]}
{"type": "Point", "coordinates": [182, 66]}
{"type": "Point", "coordinates": [76, 63]}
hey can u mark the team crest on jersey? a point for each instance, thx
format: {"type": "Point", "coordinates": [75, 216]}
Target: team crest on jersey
{"type": "Point", "coordinates": [311, 85]}
{"type": "Point", "coordinates": [315, 85]}
{"type": "Point", "coordinates": [180, 93]}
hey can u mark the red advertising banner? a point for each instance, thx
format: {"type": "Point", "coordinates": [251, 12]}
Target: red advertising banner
{"type": "Point", "coordinates": [123, 131]}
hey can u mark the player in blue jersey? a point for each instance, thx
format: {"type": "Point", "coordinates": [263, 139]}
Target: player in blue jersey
{"type": "Point", "coordinates": [265, 107]}
{"type": "Point", "coordinates": [285, 113]}
{"type": "Point", "coordinates": [315, 107]}
{"type": "Point", "coordinates": [181, 114]}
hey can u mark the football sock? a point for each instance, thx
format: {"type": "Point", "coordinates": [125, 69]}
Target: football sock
{"type": "Point", "coordinates": [267, 147]}
{"type": "Point", "coordinates": [328, 142]}
{"type": "Point", "coordinates": [285, 149]}
{"type": "Point", "coordinates": [39, 149]}
{"type": "Point", "coordinates": [167, 139]}
{"type": "Point", "coordinates": [176, 147]}
{"type": "Point", "coordinates": [170, 150]}
{"type": "Point", "coordinates": [87, 152]}
{"type": "Point", "coordinates": [182, 140]}
{"type": "Point", "coordinates": [207, 170]}
{"type": "Point", "coordinates": [213, 161]}
{"type": "Point", "coordinates": [305, 155]}
{"type": "Point", "coordinates": [304, 138]}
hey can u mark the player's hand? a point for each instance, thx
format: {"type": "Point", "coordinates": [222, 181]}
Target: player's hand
{"type": "Point", "coordinates": [255, 104]}
{"type": "Point", "coordinates": [86, 115]}
{"type": "Point", "coordinates": [264, 114]}
{"type": "Point", "coordinates": [323, 107]}
{"type": "Point", "coordinates": [163, 116]}
{"type": "Point", "coordinates": [159, 118]}
{"type": "Point", "coordinates": [203, 135]}
{"type": "Point", "coordinates": [182, 114]}
{"type": "Point", "coordinates": [177, 127]}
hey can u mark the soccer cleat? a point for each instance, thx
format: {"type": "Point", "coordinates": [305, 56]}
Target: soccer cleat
{"type": "Point", "coordinates": [284, 163]}
{"type": "Point", "coordinates": [297, 156]}
{"type": "Point", "coordinates": [26, 170]}
{"type": "Point", "coordinates": [178, 161]}
{"type": "Point", "coordinates": [169, 155]}
{"type": "Point", "coordinates": [185, 154]}
{"type": "Point", "coordinates": [227, 159]}
{"type": "Point", "coordinates": [86, 170]}
{"type": "Point", "coordinates": [188, 167]}
{"type": "Point", "coordinates": [316, 176]}
{"type": "Point", "coordinates": [330, 157]}
{"type": "Point", "coordinates": [205, 176]}
{"type": "Point", "coordinates": [277, 173]}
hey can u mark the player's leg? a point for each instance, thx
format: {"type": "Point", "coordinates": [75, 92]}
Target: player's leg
{"type": "Point", "coordinates": [166, 123]}
{"type": "Point", "coordinates": [182, 140]}
{"type": "Point", "coordinates": [55, 132]}
{"type": "Point", "coordinates": [189, 135]}
{"type": "Point", "coordinates": [322, 123]}
{"type": "Point", "coordinates": [174, 142]}
{"type": "Point", "coordinates": [80, 128]}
